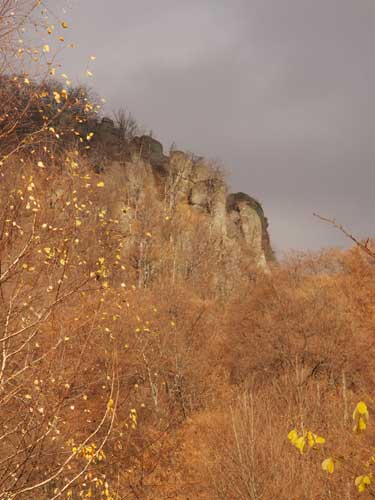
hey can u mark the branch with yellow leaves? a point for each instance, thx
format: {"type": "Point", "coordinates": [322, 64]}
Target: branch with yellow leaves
{"type": "Point", "coordinates": [109, 414]}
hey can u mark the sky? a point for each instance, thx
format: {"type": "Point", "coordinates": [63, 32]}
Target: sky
{"type": "Point", "coordinates": [281, 93]}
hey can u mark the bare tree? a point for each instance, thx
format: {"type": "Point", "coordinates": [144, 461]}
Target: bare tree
{"type": "Point", "coordinates": [126, 124]}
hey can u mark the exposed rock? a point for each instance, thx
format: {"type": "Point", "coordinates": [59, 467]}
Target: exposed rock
{"type": "Point", "coordinates": [199, 196]}
{"type": "Point", "coordinates": [246, 221]}
{"type": "Point", "coordinates": [247, 214]}
{"type": "Point", "coordinates": [231, 228]}
{"type": "Point", "coordinates": [148, 149]}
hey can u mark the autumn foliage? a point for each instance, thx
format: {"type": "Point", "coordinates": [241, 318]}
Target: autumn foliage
{"type": "Point", "coordinates": [119, 380]}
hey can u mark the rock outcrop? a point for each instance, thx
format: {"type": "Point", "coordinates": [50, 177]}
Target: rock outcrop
{"type": "Point", "coordinates": [184, 190]}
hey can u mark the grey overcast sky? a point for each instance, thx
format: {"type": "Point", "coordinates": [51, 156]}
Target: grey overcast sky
{"type": "Point", "coordinates": [280, 91]}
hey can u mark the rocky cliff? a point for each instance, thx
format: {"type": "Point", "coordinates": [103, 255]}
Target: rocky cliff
{"type": "Point", "coordinates": [182, 202]}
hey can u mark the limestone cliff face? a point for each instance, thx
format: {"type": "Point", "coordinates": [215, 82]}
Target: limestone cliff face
{"type": "Point", "coordinates": [184, 202]}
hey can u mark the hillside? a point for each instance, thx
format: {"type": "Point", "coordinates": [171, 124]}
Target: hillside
{"type": "Point", "coordinates": [150, 345]}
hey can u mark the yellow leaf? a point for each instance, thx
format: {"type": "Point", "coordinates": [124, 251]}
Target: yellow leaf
{"type": "Point", "coordinates": [362, 482]}
{"type": "Point", "coordinates": [361, 424]}
{"type": "Point", "coordinates": [100, 184]}
{"type": "Point", "coordinates": [313, 439]}
{"type": "Point", "coordinates": [46, 48]}
{"type": "Point", "coordinates": [300, 443]}
{"type": "Point", "coordinates": [64, 25]}
{"type": "Point", "coordinates": [310, 439]}
{"type": "Point", "coordinates": [361, 409]}
{"type": "Point", "coordinates": [57, 97]}
{"type": "Point", "coordinates": [328, 465]}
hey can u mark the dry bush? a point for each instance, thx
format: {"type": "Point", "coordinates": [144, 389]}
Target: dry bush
{"type": "Point", "coordinates": [298, 349]}
{"type": "Point", "coordinates": [305, 313]}
{"type": "Point", "coordinates": [72, 315]}
{"type": "Point", "coordinates": [251, 458]}
{"type": "Point", "coordinates": [51, 332]}
{"type": "Point", "coordinates": [75, 333]}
